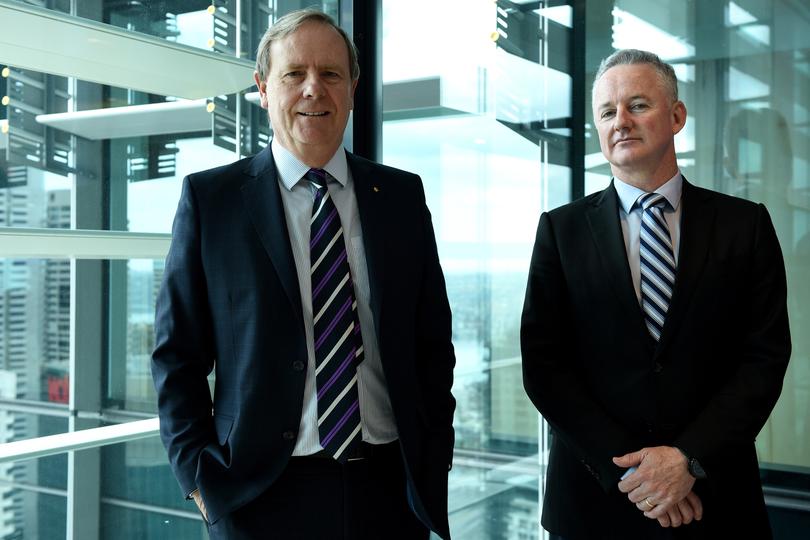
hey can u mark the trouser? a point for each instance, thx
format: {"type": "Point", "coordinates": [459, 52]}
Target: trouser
{"type": "Point", "coordinates": [317, 498]}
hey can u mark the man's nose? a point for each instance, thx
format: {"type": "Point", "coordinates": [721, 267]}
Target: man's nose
{"type": "Point", "coordinates": [622, 121]}
{"type": "Point", "coordinates": [313, 86]}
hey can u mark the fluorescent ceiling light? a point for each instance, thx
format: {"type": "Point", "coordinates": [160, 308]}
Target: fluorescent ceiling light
{"type": "Point", "coordinates": [742, 86]}
{"type": "Point", "coordinates": [3, 134]}
{"type": "Point", "coordinates": [631, 32]}
{"type": "Point", "coordinates": [51, 42]}
{"type": "Point", "coordinates": [735, 15]}
{"type": "Point", "coordinates": [758, 32]}
{"type": "Point", "coordinates": [560, 14]}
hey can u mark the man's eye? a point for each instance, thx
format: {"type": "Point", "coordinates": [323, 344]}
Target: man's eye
{"type": "Point", "coordinates": [293, 74]}
{"type": "Point", "coordinates": [607, 114]}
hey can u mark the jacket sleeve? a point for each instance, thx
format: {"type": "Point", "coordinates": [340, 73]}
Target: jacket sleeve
{"type": "Point", "coordinates": [549, 370]}
{"type": "Point", "coordinates": [184, 348]}
{"type": "Point", "coordinates": [434, 348]}
{"type": "Point", "coordinates": [738, 410]}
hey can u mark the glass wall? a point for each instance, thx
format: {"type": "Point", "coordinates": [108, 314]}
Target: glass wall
{"type": "Point", "coordinates": [479, 106]}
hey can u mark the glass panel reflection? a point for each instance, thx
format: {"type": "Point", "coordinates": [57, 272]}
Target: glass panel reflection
{"type": "Point", "coordinates": [138, 472]}
{"type": "Point", "coordinates": [34, 329]}
{"type": "Point", "coordinates": [32, 492]}
{"type": "Point", "coordinates": [121, 523]}
{"type": "Point", "coordinates": [481, 112]}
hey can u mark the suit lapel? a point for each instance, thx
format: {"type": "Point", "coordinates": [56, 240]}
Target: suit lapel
{"type": "Point", "coordinates": [262, 199]}
{"type": "Point", "coordinates": [697, 225]}
{"type": "Point", "coordinates": [370, 203]}
{"type": "Point", "coordinates": [603, 220]}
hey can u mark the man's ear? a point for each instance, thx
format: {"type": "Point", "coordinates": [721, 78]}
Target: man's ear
{"type": "Point", "coordinates": [678, 116]}
{"type": "Point", "coordinates": [262, 86]}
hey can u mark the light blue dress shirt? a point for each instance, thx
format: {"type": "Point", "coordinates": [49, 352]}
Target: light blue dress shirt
{"type": "Point", "coordinates": [630, 218]}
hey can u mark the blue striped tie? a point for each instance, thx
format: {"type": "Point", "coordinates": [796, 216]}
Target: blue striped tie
{"type": "Point", "coordinates": [338, 343]}
{"type": "Point", "coordinates": [657, 263]}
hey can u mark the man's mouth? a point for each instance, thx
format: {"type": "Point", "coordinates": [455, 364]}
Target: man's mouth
{"type": "Point", "coordinates": [322, 113]}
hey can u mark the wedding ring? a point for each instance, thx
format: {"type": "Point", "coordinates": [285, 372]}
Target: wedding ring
{"type": "Point", "coordinates": [649, 504]}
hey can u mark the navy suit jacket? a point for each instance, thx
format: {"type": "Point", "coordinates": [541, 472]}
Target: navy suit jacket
{"type": "Point", "coordinates": [606, 387]}
{"type": "Point", "coordinates": [230, 302]}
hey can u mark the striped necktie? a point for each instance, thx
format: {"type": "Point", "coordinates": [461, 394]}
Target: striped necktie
{"type": "Point", "coordinates": [338, 343]}
{"type": "Point", "coordinates": [657, 261]}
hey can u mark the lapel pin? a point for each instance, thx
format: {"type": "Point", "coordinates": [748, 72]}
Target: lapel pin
{"type": "Point", "coordinates": [376, 189]}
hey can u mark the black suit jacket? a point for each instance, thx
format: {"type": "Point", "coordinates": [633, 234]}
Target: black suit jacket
{"type": "Point", "coordinates": [605, 386]}
{"type": "Point", "coordinates": [230, 302]}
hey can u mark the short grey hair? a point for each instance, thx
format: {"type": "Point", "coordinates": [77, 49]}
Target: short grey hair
{"type": "Point", "coordinates": [624, 57]}
{"type": "Point", "coordinates": [291, 22]}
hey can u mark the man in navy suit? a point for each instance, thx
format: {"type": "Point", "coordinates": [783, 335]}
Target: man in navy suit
{"type": "Point", "coordinates": [308, 280]}
{"type": "Point", "coordinates": [654, 334]}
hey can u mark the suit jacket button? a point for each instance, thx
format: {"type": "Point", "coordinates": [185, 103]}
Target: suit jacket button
{"type": "Point", "coordinates": [658, 368]}
{"type": "Point", "coordinates": [289, 435]}
{"type": "Point", "coordinates": [298, 365]}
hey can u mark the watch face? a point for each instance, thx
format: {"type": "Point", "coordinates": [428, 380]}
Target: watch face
{"type": "Point", "coordinates": [695, 469]}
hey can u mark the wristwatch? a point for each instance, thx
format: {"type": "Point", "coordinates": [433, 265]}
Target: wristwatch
{"type": "Point", "coordinates": [693, 466]}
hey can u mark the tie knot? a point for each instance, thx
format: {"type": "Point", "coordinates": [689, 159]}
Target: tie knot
{"type": "Point", "coordinates": [318, 177]}
{"type": "Point", "coordinates": [650, 200]}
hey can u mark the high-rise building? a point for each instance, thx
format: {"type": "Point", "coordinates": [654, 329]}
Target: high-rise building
{"type": "Point", "coordinates": [56, 337]}
{"type": "Point", "coordinates": [21, 342]}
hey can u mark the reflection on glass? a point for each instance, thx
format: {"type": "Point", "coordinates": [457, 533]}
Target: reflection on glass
{"type": "Point", "coordinates": [34, 328]}
{"type": "Point", "coordinates": [480, 115]}
{"type": "Point", "coordinates": [121, 523]}
{"type": "Point", "coordinates": [151, 203]}
{"type": "Point", "coordinates": [25, 513]}
{"type": "Point", "coordinates": [130, 364]}
{"type": "Point", "coordinates": [138, 471]}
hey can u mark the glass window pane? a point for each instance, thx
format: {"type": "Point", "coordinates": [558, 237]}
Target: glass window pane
{"type": "Point", "coordinates": [479, 113]}
{"type": "Point", "coordinates": [138, 471]}
{"type": "Point", "coordinates": [32, 492]}
{"type": "Point", "coordinates": [33, 198]}
{"type": "Point", "coordinates": [30, 514]}
{"type": "Point", "coordinates": [34, 329]}
{"type": "Point", "coordinates": [123, 523]}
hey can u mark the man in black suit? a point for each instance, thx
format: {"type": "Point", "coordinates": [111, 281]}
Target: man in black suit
{"type": "Point", "coordinates": [654, 334]}
{"type": "Point", "coordinates": [308, 279]}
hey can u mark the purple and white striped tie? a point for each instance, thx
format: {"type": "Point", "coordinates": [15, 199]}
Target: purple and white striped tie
{"type": "Point", "coordinates": [338, 342]}
{"type": "Point", "coordinates": [657, 260]}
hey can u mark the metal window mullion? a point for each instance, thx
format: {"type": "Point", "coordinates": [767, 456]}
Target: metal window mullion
{"type": "Point", "coordinates": [87, 324]}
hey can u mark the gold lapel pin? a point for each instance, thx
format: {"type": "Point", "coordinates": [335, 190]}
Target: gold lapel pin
{"type": "Point", "coordinates": [376, 189]}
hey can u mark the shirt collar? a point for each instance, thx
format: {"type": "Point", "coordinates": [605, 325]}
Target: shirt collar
{"type": "Point", "coordinates": [291, 170]}
{"type": "Point", "coordinates": [628, 195]}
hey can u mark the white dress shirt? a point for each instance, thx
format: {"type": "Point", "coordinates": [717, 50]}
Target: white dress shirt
{"type": "Point", "coordinates": [297, 195]}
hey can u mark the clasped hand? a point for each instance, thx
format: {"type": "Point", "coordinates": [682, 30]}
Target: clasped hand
{"type": "Point", "coordinates": [661, 487]}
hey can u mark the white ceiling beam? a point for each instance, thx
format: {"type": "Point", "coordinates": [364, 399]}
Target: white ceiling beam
{"type": "Point", "coordinates": [51, 42]}
{"type": "Point", "coordinates": [182, 116]}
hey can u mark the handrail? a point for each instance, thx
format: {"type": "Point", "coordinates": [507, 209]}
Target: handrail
{"type": "Point", "coordinates": [78, 440]}
{"type": "Point", "coordinates": [82, 244]}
